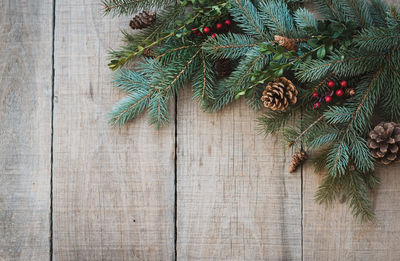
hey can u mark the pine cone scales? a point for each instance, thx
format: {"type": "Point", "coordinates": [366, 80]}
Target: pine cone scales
{"type": "Point", "coordinates": [287, 43]}
{"type": "Point", "coordinates": [384, 142]}
{"type": "Point", "coordinates": [297, 160]}
{"type": "Point", "coordinates": [142, 20]}
{"type": "Point", "coordinates": [223, 67]}
{"type": "Point", "coordinates": [279, 94]}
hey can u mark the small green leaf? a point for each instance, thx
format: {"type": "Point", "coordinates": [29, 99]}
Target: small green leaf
{"type": "Point", "coordinates": [277, 56]}
{"type": "Point", "coordinates": [313, 42]}
{"type": "Point", "coordinates": [237, 96]}
{"type": "Point", "coordinates": [321, 53]}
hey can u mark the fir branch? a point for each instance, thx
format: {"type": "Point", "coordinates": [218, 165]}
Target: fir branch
{"type": "Point", "coordinates": [204, 81]}
{"type": "Point", "coordinates": [362, 13]}
{"type": "Point", "coordinates": [130, 54]}
{"type": "Point", "coordinates": [321, 83]}
{"type": "Point", "coordinates": [184, 69]}
{"type": "Point", "coordinates": [305, 19]}
{"type": "Point", "coordinates": [378, 39]}
{"type": "Point", "coordinates": [305, 131]}
{"type": "Point", "coordinates": [129, 107]}
{"type": "Point", "coordinates": [357, 194]}
{"type": "Point", "coordinates": [129, 7]}
{"type": "Point", "coordinates": [230, 46]}
{"type": "Point", "coordinates": [277, 18]}
{"type": "Point", "coordinates": [239, 79]}
{"type": "Point", "coordinates": [248, 18]}
{"type": "Point", "coordinates": [273, 121]}
{"type": "Point", "coordinates": [328, 190]}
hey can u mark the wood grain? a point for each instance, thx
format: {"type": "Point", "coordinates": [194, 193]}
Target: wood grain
{"type": "Point", "coordinates": [236, 198]}
{"type": "Point", "coordinates": [333, 233]}
{"type": "Point", "coordinates": [25, 128]}
{"type": "Point", "coordinates": [113, 189]}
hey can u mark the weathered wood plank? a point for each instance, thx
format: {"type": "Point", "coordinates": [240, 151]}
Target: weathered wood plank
{"type": "Point", "coordinates": [236, 199]}
{"type": "Point", "coordinates": [25, 128]}
{"type": "Point", "coordinates": [113, 190]}
{"type": "Point", "coordinates": [333, 233]}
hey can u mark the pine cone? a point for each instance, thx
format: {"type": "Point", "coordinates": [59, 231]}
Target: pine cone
{"type": "Point", "coordinates": [223, 67]}
{"type": "Point", "coordinates": [148, 53]}
{"type": "Point", "coordinates": [142, 20]}
{"type": "Point", "coordinates": [350, 92]}
{"type": "Point", "coordinates": [384, 142]}
{"type": "Point", "coordinates": [287, 43]}
{"type": "Point", "coordinates": [279, 94]}
{"type": "Point", "coordinates": [297, 160]}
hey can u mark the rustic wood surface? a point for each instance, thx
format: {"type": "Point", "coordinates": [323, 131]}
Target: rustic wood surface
{"type": "Point", "coordinates": [25, 128]}
{"type": "Point", "coordinates": [236, 198]}
{"type": "Point", "coordinates": [113, 190]}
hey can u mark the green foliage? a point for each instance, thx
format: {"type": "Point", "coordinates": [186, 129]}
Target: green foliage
{"type": "Point", "coordinates": [357, 41]}
{"type": "Point", "coordinates": [129, 7]}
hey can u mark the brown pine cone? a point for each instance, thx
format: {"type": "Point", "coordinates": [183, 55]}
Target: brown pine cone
{"type": "Point", "coordinates": [223, 67]}
{"type": "Point", "coordinates": [350, 92]}
{"type": "Point", "coordinates": [384, 142]}
{"type": "Point", "coordinates": [287, 43]}
{"type": "Point", "coordinates": [148, 53]}
{"type": "Point", "coordinates": [297, 160]}
{"type": "Point", "coordinates": [279, 94]}
{"type": "Point", "coordinates": [142, 20]}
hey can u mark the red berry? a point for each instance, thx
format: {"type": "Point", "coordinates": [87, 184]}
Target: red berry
{"type": "Point", "coordinates": [228, 22]}
{"type": "Point", "coordinates": [339, 93]}
{"type": "Point", "coordinates": [317, 105]}
{"type": "Point", "coordinates": [206, 30]}
{"type": "Point", "coordinates": [331, 84]}
{"type": "Point", "coordinates": [315, 95]}
{"type": "Point", "coordinates": [219, 26]}
{"type": "Point", "coordinates": [199, 33]}
{"type": "Point", "coordinates": [343, 84]}
{"type": "Point", "coordinates": [214, 35]}
{"type": "Point", "coordinates": [328, 98]}
{"type": "Point", "coordinates": [194, 31]}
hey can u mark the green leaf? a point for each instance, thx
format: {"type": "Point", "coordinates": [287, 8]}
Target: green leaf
{"type": "Point", "coordinates": [321, 53]}
{"type": "Point", "coordinates": [277, 57]}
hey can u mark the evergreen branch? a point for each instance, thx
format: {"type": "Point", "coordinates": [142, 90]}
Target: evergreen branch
{"type": "Point", "coordinates": [165, 90]}
{"type": "Point", "coordinates": [357, 192]}
{"type": "Point", "coordinates": [277, 18]}
{"type": "Point", "coordinates": [328, 190]}
{"type": "Point", "coordinates": [357, 12]}
{"type": "Point", "coordinates": [304, 132]}
{"type": "Point", "coordinates": [176, 50]}
{"type": "Point", "coordinates": [305, 19]}
{"type": "Point", "coordinates": [129, 107]}
{"type": "Point", "coordinates": [230, 46]}
{"type": "Point", "coordinates": [248, 17]}
{"type": "Point", "coordinates": [378, 39]}
{"type": "Point", "coordinates": [329, 76]}
{"type": "Point", "coordinates": [128, 55]}
{"type": "Point", "coordinates": [129, 7]}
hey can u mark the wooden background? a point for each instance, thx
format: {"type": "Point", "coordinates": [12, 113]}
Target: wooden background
{"type": "Point", "coordinates": [206, 187]}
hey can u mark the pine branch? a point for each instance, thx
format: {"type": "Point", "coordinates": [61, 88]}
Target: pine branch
{"type": "Point", "coordinates": [305, 19]}
{"type": "Point", "coordinates": [277, 18]}
{"type": "Point", "coordinates": [248, 18]}
{"type": "Point", "coordinates": [240, 78]}
{"type": "Point", "coordinates": [229, 46]}
{"type": "Point", "coordinates": [204, 81]}
{"type": "Point", "coordinates": [272, 122]}
{"type": "Point", "coordinates": [121, 58]}
{"type": "Point", "coordinates": [129, 7]}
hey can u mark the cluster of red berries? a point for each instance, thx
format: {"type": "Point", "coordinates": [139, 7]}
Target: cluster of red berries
{"type": "Point", "coordinates": [339, 92]}
{"type": "Point", "coordinates": [207, 30]}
